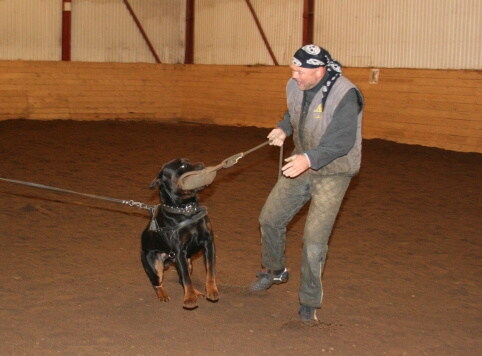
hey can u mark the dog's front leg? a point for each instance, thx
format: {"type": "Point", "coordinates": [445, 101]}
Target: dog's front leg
{"type": "Point", "coordinates": [190, 293]}
{"type": "Point", "coordinates": [212, 293]}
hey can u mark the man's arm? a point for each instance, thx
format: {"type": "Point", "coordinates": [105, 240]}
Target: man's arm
{"type": "Point", "coordinates": [285, 124]}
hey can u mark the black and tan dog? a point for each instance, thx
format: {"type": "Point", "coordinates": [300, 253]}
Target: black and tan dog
{"type": "Point", "coordinates": [179, 230]}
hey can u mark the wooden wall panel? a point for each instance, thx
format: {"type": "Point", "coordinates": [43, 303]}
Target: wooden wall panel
{"type": "Point", "coordinates": [235, 95]}
{"type": "Point", "coordinates": [89, 91]}
{"type": "Point", "coordinates": [438, 108]}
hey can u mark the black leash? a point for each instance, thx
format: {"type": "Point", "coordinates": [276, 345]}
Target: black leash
{"type": "Point", "coordinates": [151, 208]}
{"type": "Point", "coordinates": [229, 162]}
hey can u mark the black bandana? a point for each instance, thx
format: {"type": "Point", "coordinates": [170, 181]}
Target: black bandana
{"type": "Point", "coordinates": [313, 56]}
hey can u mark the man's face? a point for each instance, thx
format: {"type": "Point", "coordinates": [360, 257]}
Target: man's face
{"type": "Point", "coordinates": [307, 78]}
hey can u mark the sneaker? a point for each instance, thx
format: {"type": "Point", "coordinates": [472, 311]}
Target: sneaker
{"type": "Point", "coordinates": [266, 279]}
{"type": "Point", "coordinates": [308, 314]}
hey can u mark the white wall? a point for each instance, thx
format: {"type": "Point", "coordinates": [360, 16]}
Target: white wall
{"type": "Point", "coordinates": [104, 31]}
{"type": "Point", "coordinates": [435, 34]}
{"type": "Point", "coordinates": [426, 34]}
{"type": "Point", "coordinates": [31, 29]}
{"type": "Point", "coordinates": [226, 32]}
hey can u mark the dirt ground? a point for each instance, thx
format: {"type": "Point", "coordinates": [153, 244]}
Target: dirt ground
{"type": "Point", "coordinates": [403, 275]}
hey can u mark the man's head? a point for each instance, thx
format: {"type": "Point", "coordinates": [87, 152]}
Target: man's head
{"type": "Point", "coordinates": [307, 78]}
{"type": "Point", "coordinates": [309, 64]}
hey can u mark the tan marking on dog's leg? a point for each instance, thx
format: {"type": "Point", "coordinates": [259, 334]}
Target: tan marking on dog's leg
{"type": "Point", "coordinates": [190, 297]}
{"type": "Point", "coordinates": [190, 266]}
{"type": "Point", "coordinates": [161, 293]}
{"type": "Point", "coordinates": [212, 293]}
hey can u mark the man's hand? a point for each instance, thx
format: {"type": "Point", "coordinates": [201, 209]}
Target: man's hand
{"type": "Point", "coordinates": [276, 137]}
{"type": "Point", "coordinates": [296, 165]}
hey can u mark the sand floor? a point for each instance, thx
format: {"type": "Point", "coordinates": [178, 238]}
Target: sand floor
{"type": "Point", "coordinates": [403, 275]}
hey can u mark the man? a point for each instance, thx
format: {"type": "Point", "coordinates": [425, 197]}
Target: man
{"type": "Point", "coordinates": [324, 116]}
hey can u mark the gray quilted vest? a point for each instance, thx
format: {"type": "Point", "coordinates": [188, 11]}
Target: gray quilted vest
{"type": "Point", "coordinates": [317, 121]}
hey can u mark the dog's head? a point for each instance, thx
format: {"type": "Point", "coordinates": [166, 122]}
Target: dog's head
{"type": "Point", "coordinates": [168, 180]}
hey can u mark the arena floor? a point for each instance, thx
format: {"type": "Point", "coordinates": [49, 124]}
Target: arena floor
{"type": "Point", "coordinates": [403, 276]}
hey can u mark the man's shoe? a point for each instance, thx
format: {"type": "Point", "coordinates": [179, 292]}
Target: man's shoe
{"type": "Point", "coordinates": [266, 279]}
{"type": "Point", "coordinates": [308, 315]}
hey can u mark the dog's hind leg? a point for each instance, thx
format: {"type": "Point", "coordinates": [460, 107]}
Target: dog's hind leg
{"type": "Point", "coordinates": [153, 264]}
{"type": "Point", "coordinates": [161, 293]}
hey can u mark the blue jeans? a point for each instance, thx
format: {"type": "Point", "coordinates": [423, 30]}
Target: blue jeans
{"type": "Point", "coordinates": [287, 197]}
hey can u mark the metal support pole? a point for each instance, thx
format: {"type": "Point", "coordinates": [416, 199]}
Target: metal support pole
{"type": "Point", "coordinates": [66, 29]}
{"type": "Point", "coordinates": [308, 10]}
{"type": "Point", "coordinates": [189, 50]}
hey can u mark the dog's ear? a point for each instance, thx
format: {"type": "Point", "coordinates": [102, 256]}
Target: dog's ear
{"type": "Point", "coordinates": [153, 184]}
{"type": "Point", "coordinates": [156, 180]}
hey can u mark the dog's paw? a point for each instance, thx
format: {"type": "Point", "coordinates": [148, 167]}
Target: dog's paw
{"type": "Point", "coordinates": [162, 295]}
{"type": "Point", "coordinates": [212, 294]}
{"type": "Point", "coordinates": [190, 299]}
{"type": "Point", "coordinates": [190, 303]}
